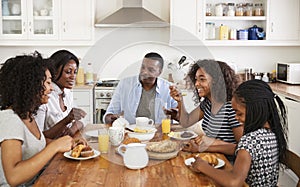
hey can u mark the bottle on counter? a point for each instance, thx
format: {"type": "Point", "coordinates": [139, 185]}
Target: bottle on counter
{"type": "Point", "coordinates": [208, 9]}
{"type": "Point", "coordinates": [89, 75]}
{"type": "Point", "coordinates": [210, 31]}
{"type": "Point", "coordinates": [80, 75]}
{"type": "Point", "coordinates": [239, 11]}
{"type": "Point", "coordinates": [230, 9]}
{"type": "Point", "coordinates": [219, 9]}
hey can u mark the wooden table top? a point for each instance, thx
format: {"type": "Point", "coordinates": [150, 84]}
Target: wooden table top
{"type": "Point", "coordinates": [108, 170]}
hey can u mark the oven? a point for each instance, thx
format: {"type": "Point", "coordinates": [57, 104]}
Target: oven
{"type": "Point", "coordinates": [103, 94]}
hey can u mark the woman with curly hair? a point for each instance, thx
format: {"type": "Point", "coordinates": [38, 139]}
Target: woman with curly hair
{"type": "Point", "coordinates": [214, 84]}
{"type": "Point", "coordinates": [25, 84]}
{"type": "Point", "coordinates": [264, 143]}
{"type": "Point", "coordinates": [59, 116]}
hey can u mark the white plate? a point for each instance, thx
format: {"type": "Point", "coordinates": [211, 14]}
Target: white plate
{"type": "Point", "coordinates": [188, 162]}
{"type": "Point", "coordinates": [177, 135]}
{"type": "Point", "coordinates": [93, 133]}
{"type": "Point", "coordinates": [68, 155]}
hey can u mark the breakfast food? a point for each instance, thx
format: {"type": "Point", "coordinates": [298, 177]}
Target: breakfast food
{"type": "Point", "coordinates": [139, 130]}
{"type": "Point", "coordinates": [77, 150]}
{"type": "Point", "coordinates": [87, 151]}
{"type": "Point", "coordinates": [165, 146]}
{"type": "Point", "coordinates": [81, 150]}
{"type": "Point", "coordinates": [211, 159]}
{"type": "Point", "coordinates": [131, 140]}
{"type": "Point", "coordinates": [186, 134]}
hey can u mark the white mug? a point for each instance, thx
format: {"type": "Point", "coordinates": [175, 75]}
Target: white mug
{"type": "Point", "coordinates": [116, 135]}
{"type": "Point", "coordinates": [144, 121]}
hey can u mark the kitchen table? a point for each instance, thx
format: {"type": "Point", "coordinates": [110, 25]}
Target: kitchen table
{"type": "Point", "coordinates": [108, 170]}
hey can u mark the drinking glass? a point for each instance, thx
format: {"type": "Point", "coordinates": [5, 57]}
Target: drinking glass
{"type": "Point", "coordinates": [103, 140]}
{"type": "Point", "coordinates": [166, 124]}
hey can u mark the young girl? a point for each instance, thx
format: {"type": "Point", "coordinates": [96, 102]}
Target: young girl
{"type": "Point", "coordinates": [214, 83]}
{"type": "Point", "coordinates": [264, 142]}
{"type": "Point", "coordinates": [25, 84]}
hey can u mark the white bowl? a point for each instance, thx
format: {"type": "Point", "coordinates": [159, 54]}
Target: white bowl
{"type": "Point", "coordinates": [143, 136]}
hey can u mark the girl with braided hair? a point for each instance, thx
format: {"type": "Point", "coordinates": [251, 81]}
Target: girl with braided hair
{"type": "Point", "coordinates": [263, 145]}
{"type": "Point", "coordinates": [215, 82]}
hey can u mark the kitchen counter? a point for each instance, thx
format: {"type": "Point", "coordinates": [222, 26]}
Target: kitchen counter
{"type": "Point", "coordinates": [84, 86]}
{"type": "Point", "coordinates": [292, 91]}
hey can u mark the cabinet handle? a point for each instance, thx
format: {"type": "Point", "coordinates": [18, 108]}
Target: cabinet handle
{"type": "Point", "coordinates": [199, 25]}
{"type": "Point", "coordinates": [64, 26]}
{"type": "Point", "coordinates": [24, 27]}
{"type": "Point", "coordinates": [272, 29]}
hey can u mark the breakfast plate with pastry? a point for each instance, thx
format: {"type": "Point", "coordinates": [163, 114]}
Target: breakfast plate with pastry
{"type": "Point", "coordinates": [82, 152]}
{"type": "Point", "coordinates": [211, 159]}
{"type": "Point", "coordinates": [183, 135]}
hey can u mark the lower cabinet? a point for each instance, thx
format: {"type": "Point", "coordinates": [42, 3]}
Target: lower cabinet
{"type": "Point", "coordinates": [84, 99]}
{"type": "Point", "coordinates": [293, 108]}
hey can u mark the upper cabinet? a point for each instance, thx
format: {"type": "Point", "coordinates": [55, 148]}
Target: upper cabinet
{"type": "Point", "coordinates": [284, 20]}
{"type": "Point", "coordinates": [46, 22]}
{"type": "Point", "coordinates": [238, 23]}
{"type": "Point", "coordinates": [77, 22]}
{"type": "Point", "coordinates": [28, 19]}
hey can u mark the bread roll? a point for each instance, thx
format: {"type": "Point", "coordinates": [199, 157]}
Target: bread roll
{"type": "Point", "coordinates": [87, 152]}
{"type": "Point", "coordinates": [131, 140]}
{"type": "Point", "coordinates": [77, 150]}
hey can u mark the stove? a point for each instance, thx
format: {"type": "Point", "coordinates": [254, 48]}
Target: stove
{"type": "Point", "coordinates": [103, 93]}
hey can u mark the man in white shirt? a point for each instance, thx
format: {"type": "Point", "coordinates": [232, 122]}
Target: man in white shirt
{"type": "Point", "coordinates": [142, 95]}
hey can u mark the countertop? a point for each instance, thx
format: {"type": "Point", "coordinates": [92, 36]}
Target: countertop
{"type": "Point", "coordinates": [292, 91]}
{"type": "Point", "coordinates": [84, 86]}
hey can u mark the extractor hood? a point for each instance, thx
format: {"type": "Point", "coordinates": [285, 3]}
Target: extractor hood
{"type": "Point", "coordinates": [132, 14]}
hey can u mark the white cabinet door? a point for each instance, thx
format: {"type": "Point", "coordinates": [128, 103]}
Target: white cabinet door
{"type": "Point", "coordinates": [76, 16]}
{"type": "Point", "coordinates": [284, 20]}
{"type": "Point", "coordinates": [83, 98]}
{"type": "Point", "coordinates": [185, 25]}
{"type": "Point", "coordinates": [293, 123]}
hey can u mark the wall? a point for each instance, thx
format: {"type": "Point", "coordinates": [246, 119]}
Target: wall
{"type": "Point", "coordinates": [118, 52]}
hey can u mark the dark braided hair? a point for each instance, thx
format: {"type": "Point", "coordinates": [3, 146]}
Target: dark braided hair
{"type": "Point", "coordinates": [224, 79]}
{"type": "Point", "coordinates": [259, 100]}
{"type": "Point", "coordinates": [22, 84]}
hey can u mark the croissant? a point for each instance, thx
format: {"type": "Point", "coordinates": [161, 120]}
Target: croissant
{"type": "Point", "coordinates": [211, 159]}
{"type": "Point", "coordinates": [77, 150]}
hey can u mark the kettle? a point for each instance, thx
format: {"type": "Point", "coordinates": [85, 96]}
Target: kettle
{"type": "Point", "coordinates": [256, 33]}
{"type": "Point", "coordinates": [135, 156]}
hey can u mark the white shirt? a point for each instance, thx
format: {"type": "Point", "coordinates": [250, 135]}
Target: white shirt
{"type": "Point", "coordinates": [12, 127]}
{"type": "Point", "coordinates": [49, 114]}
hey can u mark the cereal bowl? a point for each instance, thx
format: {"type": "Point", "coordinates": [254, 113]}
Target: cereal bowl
{"type": "Point", "coordinates": [142, 133]}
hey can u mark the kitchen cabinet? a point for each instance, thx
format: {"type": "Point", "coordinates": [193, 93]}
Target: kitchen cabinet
{"type": "Point", "coordinates": [28, 19]}
{"type": "Point", "coordinates": [293, 108]}
{"type": "Point", "coordinates": [83, 97]}
{"type": "Point", "coordinates": [280, 21]}
{"type": "Point", "coordinates": [284, 20]}
{"type": "Point", "coordinates": [76, 27]}
{"type": "Point", "coordinates": [47, 22]}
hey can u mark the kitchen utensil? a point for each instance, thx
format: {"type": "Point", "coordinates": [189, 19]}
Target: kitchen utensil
{"type": "Point", "coordinates": [135, 156]}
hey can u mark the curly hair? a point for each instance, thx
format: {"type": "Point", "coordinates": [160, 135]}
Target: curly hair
{"type": "Point", "coordinates": [22, 84]}
{"type": "Point", "coordinates": [224, 80]}
{"type": "Point", "coordinates": [59, 59]}
{"type": "Point", "coordinates": [259, 100]}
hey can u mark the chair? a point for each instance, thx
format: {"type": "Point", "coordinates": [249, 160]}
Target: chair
{"type": "Point", "coordinates": [292, 161]}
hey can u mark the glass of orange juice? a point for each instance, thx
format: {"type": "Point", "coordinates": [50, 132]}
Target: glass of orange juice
{"type": "Point", "coordinates": [166, 124]}
{"type": "Point", "coordinates": [103, 140]}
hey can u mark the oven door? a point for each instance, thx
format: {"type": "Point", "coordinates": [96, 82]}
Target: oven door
{"type": "Point", "coordinates": [100, 107]}
{"type": "Point", "coordinates": [282, 71]}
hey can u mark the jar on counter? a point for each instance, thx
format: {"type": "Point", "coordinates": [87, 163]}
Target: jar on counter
{"type": "Point", "coordinates": [230, 9]}
{"type": "Point", "coordinates": [243, 34]}
{"type": "Point", "coordinates": [239, 11]}
{"type": "Point", "coordinates": [208, 9]}
{"type": "Point", "coordinates": [258, 9]}
{"type": "Point", "coordinates": [219, 9]}
{"type": "Point", "coordinates": [210, 31]}
{"type": "Point", "coordinates": [249, 9]}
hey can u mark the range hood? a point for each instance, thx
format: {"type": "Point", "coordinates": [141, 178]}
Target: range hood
{"type": "Point", "coordinates": [132, 14]}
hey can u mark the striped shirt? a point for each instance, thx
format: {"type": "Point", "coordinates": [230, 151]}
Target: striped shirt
{"type": "Point", "coordinates": [219, 125]}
